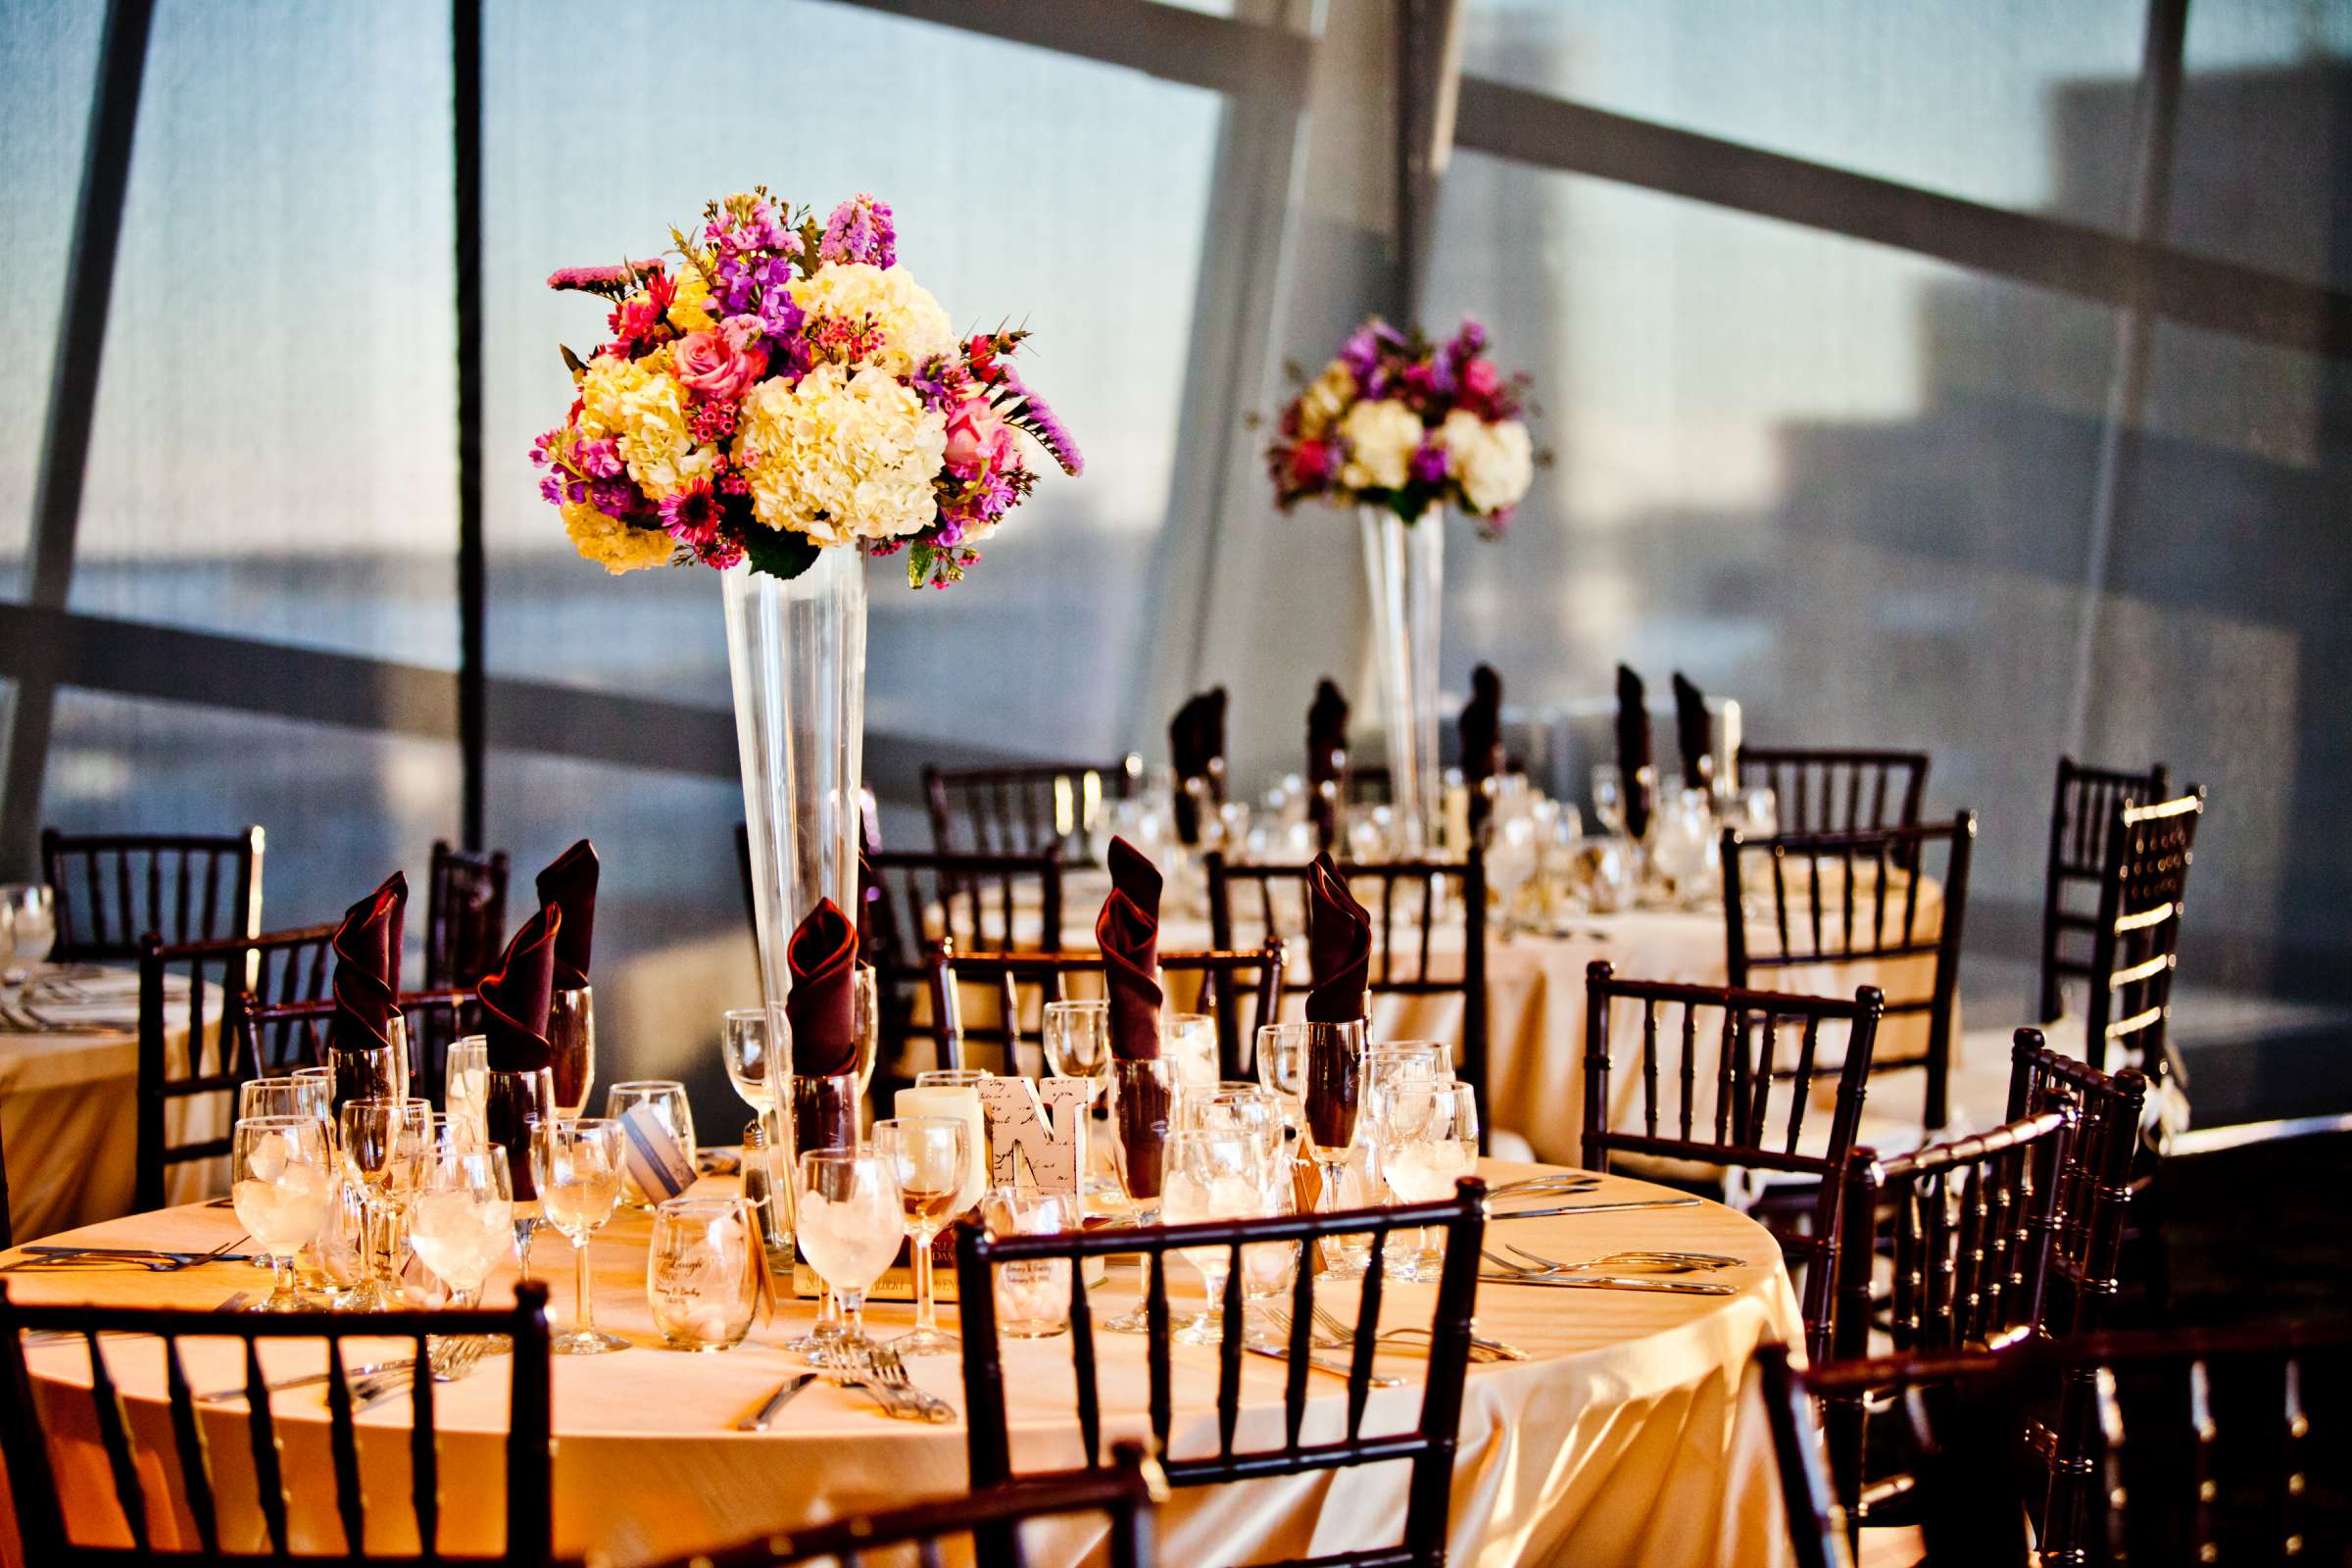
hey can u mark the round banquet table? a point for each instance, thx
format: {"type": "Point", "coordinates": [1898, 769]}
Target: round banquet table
{"type": "Point", "coordinates": [69, 1101]}
{"type": "Point", "coordinates": [1628, 1437]}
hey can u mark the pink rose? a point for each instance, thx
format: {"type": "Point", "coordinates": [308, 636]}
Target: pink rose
{"type": "Point", "coordinates": [723, 361]}
{"type": "Point", "coordinates": [1481, 379]}
{"type": "Point", "coordinates": [977, 438]}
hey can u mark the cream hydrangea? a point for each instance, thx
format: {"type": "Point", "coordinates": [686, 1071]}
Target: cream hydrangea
{"type": "Point", "coordinates": [637, 401]}
{"type": "Point", "coordinates": [1325, 398]}
{"type": "Point", "coordinates": [612, 542]}
{"type": "Point", "coordinates": [839, 455]}
{"type": "Point", "coordinates": [1381, 438]}
{"type": "Point", "coordinates": [915, 326]}
{"type": "Point", "coordinates": [1496, 463]}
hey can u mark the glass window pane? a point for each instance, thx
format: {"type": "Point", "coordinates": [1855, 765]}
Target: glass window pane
{"type": "Point", "coordinates": [276, 447]}
{"type": "Point", "coordinates": [1958, 96]}
{"type": "Point", "coordinates": [1006, 214]}
{"type": "Point", "coordinates": [49, 60]}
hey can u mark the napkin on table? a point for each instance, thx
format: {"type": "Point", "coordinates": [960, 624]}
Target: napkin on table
{"type": "Point", "coordinates": [514, 996]}
{"type": "Point", "coordinates": [822, 1008]}
{"type": "Point", "coordinates": [1694, 731]}
{"type": "Point", "coordinates": [1633, 748]}
{"type": "Point", "coordinates": [367, 983]}
{"type": "Point", "coordinates": [1482, 730]}
{"type": "Point", "coordinates": [570, 884]}
{"type": "Point", "coordinates": [1128, 933]}
{"type": "Point", "coordinates": [1326, 756]}
{"type": "Point", "coordinates": [1197, 751]}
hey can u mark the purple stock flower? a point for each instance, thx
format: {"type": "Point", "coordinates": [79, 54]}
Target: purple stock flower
{"type": "Point", "coordinates": [551, 489]}
{"type": "Point", "coordinates": [599, 460]}
{"type": "Point", "coordinates": [1048, 430]}
{"type": "Point", "coordinates": [860, 231]}
{"type": "Point", "coordinates": [1429, 463]}
{"type": "Point", "coordinates": [615, 497]}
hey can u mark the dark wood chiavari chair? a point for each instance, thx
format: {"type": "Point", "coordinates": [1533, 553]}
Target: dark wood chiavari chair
{"type": "Point", "coordinates": [1128, 1491]}
{"type": "Point", "coordinates": [1837, 788]}
{"type": "Point", "coordinates": [2081, 812]}
{"type": "Point", "coordinates": [186, 1471]}
{"type": "Point", "coordinates": [1222, 979]}
{"type": "Point", "coordinates": [226, 981]}
{"type": "Point", "coordinates": [280, 1037]}
{"type": "Point", "coordinates": [2203, 1449]}
{"type": "Point", "coordinates": [464, 915]}
{"type": "Point", "coordinates": [915, 899]}
{"type": "Point", "coordinates": [8, 1229]}
{"type": "Point", "coordinates": [112, 889]}
{"type": "Point", "coordinates": [1824, 918]}
{"type": "Point", "coordinates": [2135, 946]}
{"type": "Point", "coordinates": [1023, 809]}
{"type": "Point", "coordinates": [1419, 894]}
{"type": "Point", "coordinates": [1429, 1446]}
{"type": "Point", "coordinates": [1970, 1226]}
{"type": "Point", "coordinates": [1748, 1044]}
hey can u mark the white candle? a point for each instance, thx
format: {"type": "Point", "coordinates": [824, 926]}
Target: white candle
{"type": "Point", "coordinates": [960, 1103]}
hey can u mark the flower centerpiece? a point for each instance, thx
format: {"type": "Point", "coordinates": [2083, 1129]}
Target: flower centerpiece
{"type": "Point", "coordinates": [1402, 428]}
{"type": "Point", "coordinates": [780, 399]}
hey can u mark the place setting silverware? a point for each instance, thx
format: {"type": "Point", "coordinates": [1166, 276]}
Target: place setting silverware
{"type": "Point", "coordinates": [447, 1360]}
{"type": "Point", "coordinates": [1661, 1262]}
{"type": "Point", "coordinates": [1509, 1272]}
{"type": "Point", "coordinates": [1333, 1334]}
{"type": "Point", "coordinates": [881, 1376]}
{"type": "Point", "coordinates": [153, 1259]}
{"type": "Point", "coordinates": [234, 1304]}
{"type": "Point", "coordinates": [1588, 1208]}
{"type": "Point", "coordinates": [773, 1406]}
{"type": "Point", "coordinates": [1275, 1352]}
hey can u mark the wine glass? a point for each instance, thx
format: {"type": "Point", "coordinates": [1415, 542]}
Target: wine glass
{"type": "Point", "coordinates": [1213, 1175]}
{"type": "Point", "coordinates": [466, 1081]}
{"type": "Point", "coordinates": [1282, 1068]}
{"type": "Point", "coordinates": [664, 1098]}
{"type": "Point", "coordinates": [743, 1040]}
{"type": "Point", "coordinates": [1759, 812]}
{"type": "Point", "coordinates": [850, 1224]}
{"type": "Point", "coordinates": [283, 1181]}
{"type": "Point", "coordinates": [1190, 1041]}
{"type": "Point", "coordinates": [1512, 855]}
{"type": "Point", "coordinates": [461, 1214]}
{"type": "Point", "coordinates": [379, 1072]}
{"type": "Point", "coordinates": [31, 927]}
{"type": "Point", "coordinates": [572, 1043]}
{"type": "Point", "coordinates": [1422, 1165]}
{"type": "Point", "coordinates": [382, 1139]}
{"type": "Point", "coordinates": [702, 1272]}
{"type": "Point", "coordinates": [1077, 1040]}
{"type": "Point", "coordinates": [1142, 1100]}
{"type": "Point", "coordinates": [285, 1097]}
{"type": "Point", "coordinates": [929, 1155]}
{"type": "Point", "coordinates": [1608, 797]}
{"type": "Point", "coordinates": [579, 1163]}
{"type": "Point", "coordinates": [1233, 1106]}
{"type": "Point", "coordinates": [1333, 1102]}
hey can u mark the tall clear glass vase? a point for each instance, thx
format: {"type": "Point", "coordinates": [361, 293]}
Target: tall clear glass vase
{"type": "Point", "coordinates": [795, 650]}
{"type": "Point", "coordinates": [1405, 567]}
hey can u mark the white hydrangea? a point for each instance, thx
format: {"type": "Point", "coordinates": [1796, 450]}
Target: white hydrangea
{"type": "Point", "coordinates": [915, 326]}
{"type": "Point", "coordinates": [840, 457]}
{"type": "Point", "coordinates": [1381, 438]}
{"type": "Point", "coordinates": [1494, 462]}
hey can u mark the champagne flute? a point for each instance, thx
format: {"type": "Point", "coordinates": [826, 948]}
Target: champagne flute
{"type": "Point", "coordinates": [466, 1081]}
{"type": "Point", "coordinates": [572, 1043]}
{"type": "Point", "coordinates": [1333, 1102]}
{"type": "Point", "coordinates": [381, 1140]}
{"type": "Point", "coordinates": [578, 1175]}
{"type": "Point", "coordinates": [849, 1222]}
{"type": "Point", "coordinates": [461, 1216]}
{"type": "Point", "coordinates": [929, 1157]}
{"type": "Point", "coordinates": [1143, 1102]}
{"type": "Point", "coordinates": [282, 1184]}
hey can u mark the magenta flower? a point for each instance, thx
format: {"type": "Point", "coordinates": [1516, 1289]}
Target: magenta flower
{"type": "Point", "coordinates": [599, 279]}
{"type": "Point", "coordinates": [692, 516]}
{"type": "Point", "coordinates": [860, 231]}
{"type": "Point", "coordinates": [598, 459]}
{"type": "Point", "coordinates": [1429, 463]}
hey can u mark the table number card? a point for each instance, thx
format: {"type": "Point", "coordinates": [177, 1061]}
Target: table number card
{"type": "Point", "coordinates": [1039, 1123]}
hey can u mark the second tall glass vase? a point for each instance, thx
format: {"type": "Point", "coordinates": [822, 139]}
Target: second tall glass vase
{"type": "Point", "coordinates": [796, 649]}
{"type": "Point", "coordinates": [1404, 568]}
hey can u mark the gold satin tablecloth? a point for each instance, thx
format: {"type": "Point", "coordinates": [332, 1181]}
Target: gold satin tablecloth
{"type": "Point", "coordinates": [1626, 1440]}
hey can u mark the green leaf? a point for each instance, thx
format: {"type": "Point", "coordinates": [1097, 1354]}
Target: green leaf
{"type": "Point", "coordinates": [779, 552]}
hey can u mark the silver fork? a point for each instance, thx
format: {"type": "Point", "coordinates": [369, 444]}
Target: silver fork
{"type": "Point", "coordinates": [1338, 1336]}
{"type": "Point", "coordinates": [891, 1373]}
{"type": "Point", "coordinates": [449, 1361]}
{"type": "Point", "coordinates": [1659, 1262]}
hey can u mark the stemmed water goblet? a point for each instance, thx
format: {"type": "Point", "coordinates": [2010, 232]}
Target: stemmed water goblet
{"type": "Point", "coordinates": [1608, 798]}
{"type": "Point", "coordinates": [1513, 856]}
{"type": "Point", "coordinates": [381, 1139]}
{"type": "Point", "coordinates": [929, 1157]}
{"type": "Point", "coordinates": [282, 1186]}
{"type": "Point", "coordinates": [754, 1073]}
{"type": "Point", "coordinates": [849, 1222]}
{"type": "Point", "coordinates": [462, 1212]}
{"type": "Point", "coordinates": [1422, 1159]}
{"type": "Point", "coordinates": [1213, 1174]}
{"type": "Point", "coordinates": [1077, 1042]}
{"type": "Point", "coordinates": [578, 1173]}
{"type": "Point", "coordinates": [29, 926]}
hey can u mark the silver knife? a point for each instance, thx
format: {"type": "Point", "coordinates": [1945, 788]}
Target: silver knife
{"type": "Point", "coordinates": [1595, 1208]}
{"type": "Point", "coordinates": [759, 1419]}
{"type": "Point", "coordinates": [1614, 1282]}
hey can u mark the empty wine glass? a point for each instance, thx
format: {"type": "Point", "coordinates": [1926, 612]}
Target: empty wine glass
{"type": "Point", "coordinates": [1213, 1175]}
{"type": "Point", "coordinates": [929, 1155]}
{"type": "Point", "coordinates": [1512, 857]}
{"type": "Point", "coordinates": [702, 1272]}
{"type": "Point", "coordinates": [1608, 797]}
{"type": "Point", "coordinates": [466, 1081]}
{"type": "Point", "coordinates": [381, 1141]}
{"type": "Point", "coordinates": [31, 923]}
{"type": "Point", "coordinates": [849, 1227]}
{"type": "Point", "coordinates": [1759, 812]}
{"type": "Point", "coordinates": [461, 1214]}
{"type": "Point", "coordinates": [1282, 1068]}
{"type": "Point", "coordinates": [578, 1174]}
{"type": "Point", "coordinates": [283, 1185]}
{"type": "Point", "coordinates": [743, 1038]}
{"type": "Point", "coordinates": [1077, 1040]}
{"type": "Point", "coordinates": [1683, 845]}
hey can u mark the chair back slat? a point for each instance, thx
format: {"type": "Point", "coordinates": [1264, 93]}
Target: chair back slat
{"type": "Point", "coordinates": [1428, 1444]}
{"type": "Point", "coordinates": [1026, 808]}
{"type": "Point", "coordinates": [1880, 788]}
{"type": "Point", "coordinates": [112, 890]}
{"type": "Point", "coordinates": [2081, 811]}
{"type": "Point", "coordinates": [31, 1473]}
{"type": "Point", "coordinates": [1419, 894]}
{"type": "Point", "coordinates": [914, 899]}
{"type": "Point", "coordinates": [1220, 978]}
{"type": "Point", "coordinates": [2136, 940]}
{"type": "Point", "coordinates": [1834, 934]}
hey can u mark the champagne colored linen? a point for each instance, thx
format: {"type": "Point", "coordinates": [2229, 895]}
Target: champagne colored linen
{"type": "Point", "coordinates": [1625, 1441]}
{"type": "Point", "coordinates": [69, 1109]}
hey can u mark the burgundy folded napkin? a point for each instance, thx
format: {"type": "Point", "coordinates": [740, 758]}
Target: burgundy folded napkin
{"type": "Point", "coordinates": [1197, 751]}
{"type": "Point", "coordinates": [1128, 933]}
{"type": "Point", "coordinates": [367, 983]}
{"type": "Point", "coordinates": [1633, 748]}
{"type": "Point", "coordinates": [570, 884]}
{"type": "Point", "coordinates": [1326, 756]}
{"type": "Point", "coordinates": [516, 995]}
{"type": "Point", "coordinates": [1694, 731]}
{"type": "Point", "coordinates": [822, 1008]}
{"type": "Point", "coordinates": [1481, 726]}
{"type": "Point", "coordinates": [1338, 945]}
